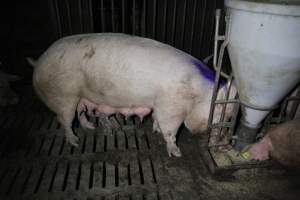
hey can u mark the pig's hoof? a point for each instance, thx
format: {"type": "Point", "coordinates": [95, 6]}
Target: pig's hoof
{"type": "Point", "coordinates": [73, 140]}
{"type": "Point", "coordinates": [174, 150]}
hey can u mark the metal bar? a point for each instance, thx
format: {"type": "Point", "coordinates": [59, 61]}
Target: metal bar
{"type": "Point", "coordinates": [154, 18]}
{"type": "Point", "coordinates": [218, 13]}
{"type": "Point", "coordinates": [143, 20]}
{"type": "Point", "coordinates": [284, 106]}
{"type": "Point", "coordinates": [91, 15]}
{"type": "Point", "coordinates": [80, 15]}
{"type": "Point", "coordinates": [221, 125]}
{"type": "Point", "coordinates": [113, 15]}
{"type": "Point", "coordinates": [224, 107]}
{"type": "Point", "coordinates": [203, 10]}
{"type": "Point", "coordinates": [225, 43]}
{"type": "Point", "coordinates": [218, 145]}
{"type": "Point", "coordinates": [209, 36]}
{"type": "Point", "coordinates": [247, 165]}
{"type": "Point", "coordinates": [69, 17]}
{"type": "Point", "coordinates": [218, 72]}
{"type": "Point", "coordinates": [294, 98]}
{"type": "Point", "coordinates": [226, 96]}
{"type": "Point", "coordinates": [123, 16]}
{"type": "Point", "coordinates": [183, 24]}
{"type": "Point", "coordinates": [133, 17]}
{"type": "Point", "coordinates": [258, 107]}
{"type": "Point", "coordinates": [234, 119]}
{"type": "Point", "coordinates": [295, 104]}
{"type": "Point", "coordinates": [282, 109]}
{"type": "Point", "coordinates": [165, 20]}
{"type": "Point", "coordinates": [173, 23]}
{"type": "Point", "coordinates": [102, 16]}
{"type": "Point", "coordinates": [227, 101]}
{"type": "Point", "coordinates": [58, 18]}
{"type": "Point", "coordinates": [193, 25]}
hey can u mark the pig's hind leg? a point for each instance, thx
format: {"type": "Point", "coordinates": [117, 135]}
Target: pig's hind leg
{"type": "Point", "coordinates": [65, 109]}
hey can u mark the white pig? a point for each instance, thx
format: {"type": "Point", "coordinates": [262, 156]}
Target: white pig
{"type": "Point", "coordinates": [123, 71]}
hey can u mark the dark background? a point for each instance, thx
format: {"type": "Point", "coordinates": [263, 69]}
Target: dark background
{"type": "Point", "coordinates": [28, 27]}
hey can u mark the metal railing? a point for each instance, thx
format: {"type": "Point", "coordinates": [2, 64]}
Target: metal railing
{"type": "Point", "coordinates": [282, 112]}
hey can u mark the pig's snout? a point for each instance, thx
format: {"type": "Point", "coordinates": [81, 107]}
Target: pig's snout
{"type": "Point", "coordinates": [261, 150]}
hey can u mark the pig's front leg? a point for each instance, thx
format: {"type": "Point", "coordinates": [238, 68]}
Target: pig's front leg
{"type": "Point", "coordinates": [169, 122]}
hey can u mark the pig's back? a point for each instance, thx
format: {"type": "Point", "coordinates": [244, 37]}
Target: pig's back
{"type": "Point", "coordinates": [136, 67]}
{"type": "Point", "coordinates": [122, 67]}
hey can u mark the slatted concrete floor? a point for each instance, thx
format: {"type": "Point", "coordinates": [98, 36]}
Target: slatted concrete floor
{"type": "Point", "coordinates": [129, 162]}
{"type": "Point", "coordinates": [36, 163]}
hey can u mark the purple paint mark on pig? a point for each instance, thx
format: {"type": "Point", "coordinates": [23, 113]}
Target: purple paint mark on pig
{"type": "Point", "coordinates": [206, 72]}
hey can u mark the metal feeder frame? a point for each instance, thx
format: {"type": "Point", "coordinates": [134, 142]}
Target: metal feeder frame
{"type": "Point", "coordinates": [217, 64]}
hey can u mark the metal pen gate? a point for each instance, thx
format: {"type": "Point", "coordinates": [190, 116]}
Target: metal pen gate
{"type": "Point", "coordinates": [185, 24]}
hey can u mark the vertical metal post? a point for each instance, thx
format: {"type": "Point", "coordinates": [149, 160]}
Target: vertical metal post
{"type": "Point", "coordinates": [102, 16]}
{"type": "Point", "coordinates": [218, 65]}
{"type": "Point", "coordinates": [91, 15]}
{"type": "Point", "coordinates": [69, 17]}
{"type": "Point", "coordinates": [174, 16]}
{"type": "Point", "coordinates": [113, 23]}
{"type": "Point", "coordinates": [133, 17]}
{"type": "Point", "coordinates": [123, 16]}
{"type": "Point", "coordinates": [218, 13]}
{"type": "Point", "coordinates": [154, 19]}
{"type": "Point", "coordinates": [80, 16]}
{"type": "Point", "coordinates": [57, 18]}
{"type": "Point", "coordinates": [143, 20]}
{"type": "Point", "coordinates": [295, 105]}
{"type": "Point", "coordinates": [193, 26]}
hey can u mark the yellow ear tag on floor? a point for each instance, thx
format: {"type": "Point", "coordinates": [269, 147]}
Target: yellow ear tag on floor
{"type": "Point", "coordinates": [246, 155]}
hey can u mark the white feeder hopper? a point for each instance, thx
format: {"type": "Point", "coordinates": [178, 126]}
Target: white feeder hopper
{"type": "Point", "coordinates": [264, 49]}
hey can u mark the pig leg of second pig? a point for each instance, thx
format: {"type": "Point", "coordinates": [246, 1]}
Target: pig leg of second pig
{"type": "Point", "coordinates": [65, 115]}
{"type": "Point", "coordinates": [84, 121]}
{"type": "Point", "coordinates": [169, 123]}
{"type": "Point", "coordinates": [81, 109]}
